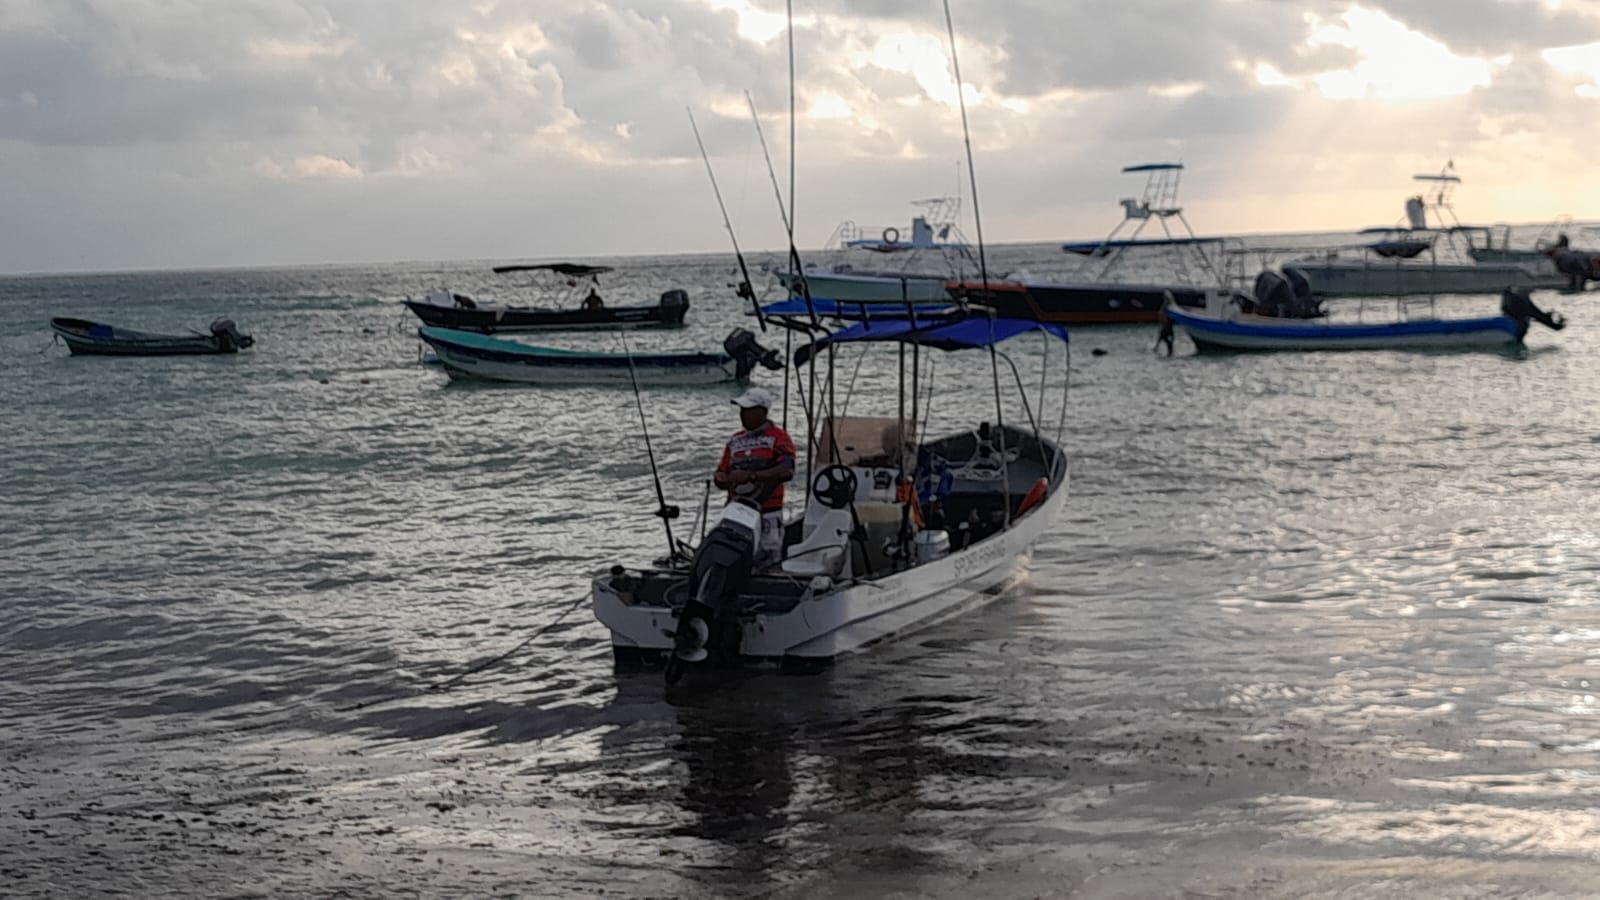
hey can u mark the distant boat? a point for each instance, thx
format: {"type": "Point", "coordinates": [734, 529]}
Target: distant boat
{"type": "Point", "coordinates": [572, 287]}
{"type": "Point", "coordinates": [1100, 297]}
{"type": "Point", "coordinates": [468, 355]}
{"type": "Point", "coordinates": [854, 311]}
{"type": "Point", "coordinates": [933, 253]}
{"type": "Point", "coordinates": [85, 338]}
{"type": "Point", "coordinates": [1088, 303]}
{"type": "Point", "coordinates": [1433, 253]}
{"type": "Point", "coordinates": [1230, 328]}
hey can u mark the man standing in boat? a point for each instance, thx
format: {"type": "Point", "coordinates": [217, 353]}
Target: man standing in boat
{"type": "Point", "coordinates": [756, 463]}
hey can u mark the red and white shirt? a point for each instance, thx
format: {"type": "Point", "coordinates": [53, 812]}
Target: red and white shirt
{"type": "Point", "coordinates": [753, 451]}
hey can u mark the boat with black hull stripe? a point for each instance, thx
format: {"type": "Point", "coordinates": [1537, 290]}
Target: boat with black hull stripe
{"type": "Point", "coordinates": [573, 293]}
{"type": "Point", "coordinates": [86, 338]}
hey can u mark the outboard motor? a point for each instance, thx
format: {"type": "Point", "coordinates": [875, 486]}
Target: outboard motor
{"type": "Point", "coordinates": [747, 353]}
{"type": "Point", "coordinates": [227, 336]}
{"type": "Point", "coordinates": [708, 625]}
{"type": "Point", "coordinates": [1579, 267]}
{"type": "Point", "coordinates": [1285, 295]}
{"type": "Point", "coordinates": [675, 298]}
{"type": "Point", "coordinates": [1306, 305]}
{"type": "Point", "coordinates": [1273, 295]}
{"type": "Point", "coordinates": [1519, 305]}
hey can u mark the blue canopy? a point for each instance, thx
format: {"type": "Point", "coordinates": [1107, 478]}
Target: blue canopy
{"type": "Point", "coordinates": [967, 333]}
{"type": "Point", "coordinates": [855, 311]}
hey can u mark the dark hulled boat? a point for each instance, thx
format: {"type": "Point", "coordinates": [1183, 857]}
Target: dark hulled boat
{"type": "Point", "coordinates": [570, 312]}
{"type": "Point", "coordinates": [85, 338]}
{"type": "Point", "coordinates": [1078, 304]}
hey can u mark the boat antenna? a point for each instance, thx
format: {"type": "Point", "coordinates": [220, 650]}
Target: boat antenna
{"type": "Point", "coordinates": [789, 12]}
{"type": "Point", "coordinates": [983, 264]}
{"type": "Point", "coordinates": [663, 511]}
{"type": "Point", "coordinates": [745, 288]}
{"type": "Point", "coordinates": [966, 135]}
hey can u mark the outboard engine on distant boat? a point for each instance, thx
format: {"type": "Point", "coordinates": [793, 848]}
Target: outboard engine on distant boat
{"type": "Point", "coordinates": [708, 625]}
{"type": "Point", "coordinates": [227, 336]}
{"type": "Point", "coordinates": [1579, 267]}
{"type": "Point", "coordinates": [747, 353]}
{"type": "Point", "coordinates": [1285, 295]}
{"type": "Point", "coordinates": [1519, 305]}
{"type": "Point", "coordinates": [675, 298]}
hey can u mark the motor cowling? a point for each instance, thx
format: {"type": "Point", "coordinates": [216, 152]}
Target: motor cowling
{"type": "Point", "coordinates": [748, 353]}
{"type": "Point", "coordinates": [1285, 295]}
{"type": "Point", "coordinates": [227, 334]}
{"type": "Point", "coordinates": [1518, 304]}
{"type": "Point", "coordinates": [708, 625]}
{"type": "Point", "coordinates": [730, 546]}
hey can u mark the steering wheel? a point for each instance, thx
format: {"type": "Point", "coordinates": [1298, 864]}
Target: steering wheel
{"type": "Point", "coordinates": [834, 487]}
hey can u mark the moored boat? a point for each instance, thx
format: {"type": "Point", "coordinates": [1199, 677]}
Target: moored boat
{"type": "Point", "coordinates": [1103, 303]}
{"type": "Point", "coordinates": [1094, 291]}
{"type": "Point", "coordinates": [1431, 253]}
{"type": "Point", "coordinates": [85, 338]}
{"type": "Point", "coordinates": [471, 356]}
{"type": "Point", "coordinates": [934, 253]}
{"type": "Point", "coordinates": [577, 306]}
{"type": "Point", "coordinates": [1230, 328]}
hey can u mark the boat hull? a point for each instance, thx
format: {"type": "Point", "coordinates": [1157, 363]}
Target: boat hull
{"type": "Point", "coordinates": [513, 319]}
{"type": "Point", "coordinates": [469, 356]}
{"type": "Point", "coordinates": [860, 615]}
{"type": "Point", "coordinates": [85, 338]}
{"type": "Point", "coordinates": [1211, 334]}
{"type": "Point", "coordinates": [1079, 304]}
{"type": "Point", "coordinates": [871, 288]}
{"type": "Point", "coordinates": [1359, 279]}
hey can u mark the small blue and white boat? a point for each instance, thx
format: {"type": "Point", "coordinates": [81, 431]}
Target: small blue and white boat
{"type": "Point", "coordinates": [1227, 327]}
{"type": "Point", "coordinates": [468, 355]}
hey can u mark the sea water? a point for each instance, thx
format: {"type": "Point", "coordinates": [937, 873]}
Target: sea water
{"type": "Point", "coordinates": [1310, 625]}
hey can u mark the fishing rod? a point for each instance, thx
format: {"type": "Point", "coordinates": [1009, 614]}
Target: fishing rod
{"type": "Point", "coordinates": [795, 265]}
{"type": "Point", "coordinates": [745, 288]}
{"type": "Point", "coordinates": [983, 263]}
{"type": "Point", "coordinates": [665, 512]}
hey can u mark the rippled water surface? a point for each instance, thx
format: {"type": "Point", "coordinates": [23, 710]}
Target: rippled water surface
{"type": "Point", "coordinates": [1311, 625]}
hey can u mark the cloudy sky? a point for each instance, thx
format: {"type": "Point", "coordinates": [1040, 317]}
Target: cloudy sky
{"type": "Point", "coordinates": [185, 133]}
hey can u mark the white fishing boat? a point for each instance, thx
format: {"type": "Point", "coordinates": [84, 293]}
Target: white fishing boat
{"type": "Point", "coordinates": [869, 559]}
{"type": "Point", "coordinates": [933, 253]}
{"type": "Point", "coordinates": [1432, 253]}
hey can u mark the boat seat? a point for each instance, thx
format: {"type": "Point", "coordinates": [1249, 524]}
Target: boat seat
{"type": "Point", "coordinates": [822, 551]}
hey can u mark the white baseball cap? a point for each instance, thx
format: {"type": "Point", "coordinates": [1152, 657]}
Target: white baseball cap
{"type": "Point", "coordinates": [755, 396]}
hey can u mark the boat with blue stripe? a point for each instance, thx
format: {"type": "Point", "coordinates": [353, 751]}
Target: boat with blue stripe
{"type": "Point", "coordinates": [1231, 329]}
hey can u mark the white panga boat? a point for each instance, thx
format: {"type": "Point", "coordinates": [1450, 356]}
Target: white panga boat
{"type": "Point", "coordinates": [871, 558]}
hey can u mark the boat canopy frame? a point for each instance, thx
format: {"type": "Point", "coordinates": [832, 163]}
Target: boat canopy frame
{"type": "Point", "coordinates": [970, 327]}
